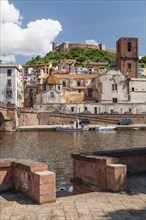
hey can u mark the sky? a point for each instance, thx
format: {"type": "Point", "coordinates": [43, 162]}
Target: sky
{"type": "Point", "coordinates": [28, 27]}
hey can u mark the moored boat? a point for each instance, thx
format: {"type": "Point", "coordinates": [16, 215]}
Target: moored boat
{"type": "Point", "coordinates": [74, 126]}
{"type": "Point", "coordinates": [105, 128]}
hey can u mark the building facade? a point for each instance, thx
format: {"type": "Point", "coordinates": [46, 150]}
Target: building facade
{"type": "Point", "coordinates": [11, 84]}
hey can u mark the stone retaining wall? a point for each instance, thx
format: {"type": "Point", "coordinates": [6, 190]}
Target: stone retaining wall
{"type": "Point", "coordinates": [106, 170]}
{"type": "Point", "coordinates": [29, 177]}
{"type": "Point", "coordinates": [134, 158]}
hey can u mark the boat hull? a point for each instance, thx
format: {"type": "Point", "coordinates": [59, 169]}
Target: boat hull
{"type": "Point", "coordinates": [106, 128]}
{"type": "Point", "coordinates": [71, 129]}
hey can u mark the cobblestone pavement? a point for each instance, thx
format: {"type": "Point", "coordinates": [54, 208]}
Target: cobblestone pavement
{"type": "Point", "coordinates": [129, 205]}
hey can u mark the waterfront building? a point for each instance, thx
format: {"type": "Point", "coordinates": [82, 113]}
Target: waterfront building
{"type": "Point", "coordinates": [114, 87]}
{"type": "Point", "coordinates": [11, 84]}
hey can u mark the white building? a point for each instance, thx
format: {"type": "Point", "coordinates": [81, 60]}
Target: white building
{"type": "Point", "coordinates": [11, 84]}
{"type": "Point", "coordinates": [113, 87]}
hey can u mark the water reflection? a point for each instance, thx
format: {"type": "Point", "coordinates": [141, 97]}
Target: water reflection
{"type": "Point", "coordinates": [55, 148]}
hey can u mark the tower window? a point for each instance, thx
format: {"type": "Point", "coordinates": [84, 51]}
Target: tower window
{"type": "Point", "coordinates": [129, 65]}
{"type": "Point", "coordinates": [129, 46]}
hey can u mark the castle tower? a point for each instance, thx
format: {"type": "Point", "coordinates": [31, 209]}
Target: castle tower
{"type": "Point", "coordinates": [127, 56]}
{"type": "Point", "coordinates": [54, 45]}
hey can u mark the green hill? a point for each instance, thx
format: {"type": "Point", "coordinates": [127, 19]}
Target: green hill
{"type": "Point", "coordinates": [78, 54]}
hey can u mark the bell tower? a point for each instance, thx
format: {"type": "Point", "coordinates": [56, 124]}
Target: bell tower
{"type": "Point", "coordinates": [127, 56]}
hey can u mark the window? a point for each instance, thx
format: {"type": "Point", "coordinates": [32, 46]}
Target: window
{"type": "Point", "coordinates": [58, 87]}
{"type": "Point", "coordinates": [114, 87]}
{"type": "Point", "coordinates": [44, 87]}
{"type": "Point", "coordinates": [9, 72]}
{"type": "Point", "coordinates": [129, 46]}
{"type": "Point", "coordinates": [129, 65]}
{"type": "Point", "coordinates": [95, 110]}
{"type": "Point", "coordinates": [50, 86]}
{"type": "Point", "coordinates": [9, 82]}
{"type": "Point", "coordinates": [132, 88]}
{"type": "Point", "coordinates": [78, 83]}
{"type": "Point", "coordinates": [115, 100]}
{"type": "Point", "coordinates": [79, 91]}
{"type": "Point", "coordinates": [52, 94]}
{"type": "Point", "coordinates": [72, 109]}
{"type": "Point", "coordinates": [85, 108]}
{"type": "Point", "coordinates": [64, 84]}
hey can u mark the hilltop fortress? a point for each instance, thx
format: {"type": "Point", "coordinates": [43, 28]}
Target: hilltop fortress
{"type": "Point", "coordinates": [67, 46]}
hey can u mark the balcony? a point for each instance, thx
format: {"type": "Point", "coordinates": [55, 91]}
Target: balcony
{"type": "Point", "coordinates": [9, 91]}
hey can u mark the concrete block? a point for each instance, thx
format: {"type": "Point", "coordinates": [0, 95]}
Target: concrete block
{"type": "Point", "coordinates": [48, 198]}
{"type": "Point", "coordinates": [44, 177]}
{"type": "Point", "coordinates": [116, 177]}
{"type": "Point", "coordinates": [30, 165]}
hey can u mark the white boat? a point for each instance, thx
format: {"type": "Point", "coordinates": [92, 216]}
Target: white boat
{"type": "Point", "coordinates": [105, 128]}
{"type": "Point", "coordinates": [74, 126]}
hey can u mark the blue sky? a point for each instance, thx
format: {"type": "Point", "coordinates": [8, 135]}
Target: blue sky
{"type": "Point", "coordinates": [103, 21]}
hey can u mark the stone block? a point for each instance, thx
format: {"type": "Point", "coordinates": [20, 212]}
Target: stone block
{"type": "Point", "coordinates": [44, 177]}
{"type": "Point", "coordinates": [48, 198]}
{"type": "Point", "coordinates": [116, 177]}
{"type": "Point", "coordinates": [6, 162]}
{"type": "Point", "coordinates": [45, 189]}
{"type": "Point", "coordinates": [6, 181]}
{"type": "Point", "coordinates": [30, 165]}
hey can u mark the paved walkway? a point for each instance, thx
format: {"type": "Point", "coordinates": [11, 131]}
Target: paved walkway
{"type": "Point", "coordinates": [129, 205]}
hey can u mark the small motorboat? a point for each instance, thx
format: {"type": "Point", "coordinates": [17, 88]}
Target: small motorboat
{"type": "Point", "coordinates": [74, 126]}
{"type": "Point", "coordinates": [66, 188]}
{"type": "Point", "coordinates": [105, 128]}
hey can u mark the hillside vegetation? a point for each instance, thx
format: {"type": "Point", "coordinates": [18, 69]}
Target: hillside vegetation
{"type": "Point", "coordinates": [78, 54]}
{"type": "Point", "coordinates": [143, 61]}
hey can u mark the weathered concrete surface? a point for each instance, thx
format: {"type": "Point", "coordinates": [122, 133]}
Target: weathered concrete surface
{"type": "Point", "coordinates": [128, 205]}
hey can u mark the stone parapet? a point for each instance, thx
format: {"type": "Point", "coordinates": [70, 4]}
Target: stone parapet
{"type": "Point", "coordinates": [116, 177]}
{"type": "Point", "coordinates": [29, 177]}
{"type": "Point", "coordinates": [106, 170]}
{"type": "Point", "coordinates": [95, 173]}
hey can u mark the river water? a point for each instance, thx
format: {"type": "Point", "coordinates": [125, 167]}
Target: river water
{"type": "Point", "coordinates": [55, 148]}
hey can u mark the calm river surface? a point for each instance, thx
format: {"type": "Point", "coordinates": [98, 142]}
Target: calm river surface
{"type": "Point", "coordinates": [55, 148]}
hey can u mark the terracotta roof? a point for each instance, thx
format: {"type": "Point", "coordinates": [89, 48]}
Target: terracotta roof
{"type": "Point", "coordinates": [52, 80]}
{"type": "Point", "coordinates": [76, 76]}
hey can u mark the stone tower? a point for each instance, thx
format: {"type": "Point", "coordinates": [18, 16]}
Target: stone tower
{"type": "Point", "coordinates": [127, 56]}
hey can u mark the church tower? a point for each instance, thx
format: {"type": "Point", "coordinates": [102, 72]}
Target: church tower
{"type": "Point", "coordinates": [127, 56]}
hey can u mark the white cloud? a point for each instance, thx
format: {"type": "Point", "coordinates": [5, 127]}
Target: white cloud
{"type": "Point", "coordinates": [8, 59]}
{"type": "Point", "coordinates": [9, 13]}
{"type": "Point", "coordinates": [35, 39]}
{"type": "Point", "coordinates": [91, 42]}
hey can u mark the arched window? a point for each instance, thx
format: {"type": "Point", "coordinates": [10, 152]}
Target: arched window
{"type": "Point", "coordinates": [64, 83]}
